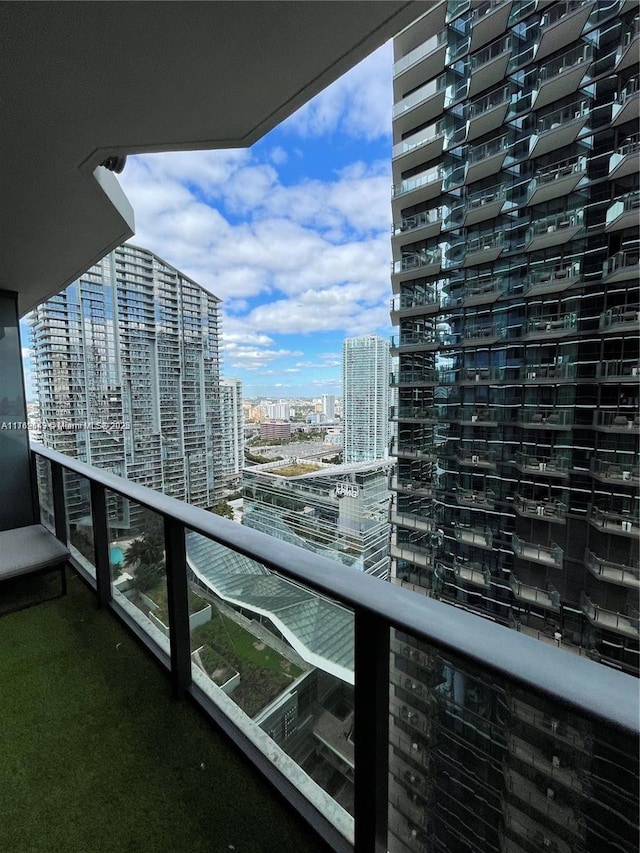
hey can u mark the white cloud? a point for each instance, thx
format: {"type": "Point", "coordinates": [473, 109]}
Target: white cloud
{"type": "Point", "coordinates": [357, 105]}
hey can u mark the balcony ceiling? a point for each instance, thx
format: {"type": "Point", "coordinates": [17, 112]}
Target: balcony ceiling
{"type": "Point", "coordinates": [83, 81]}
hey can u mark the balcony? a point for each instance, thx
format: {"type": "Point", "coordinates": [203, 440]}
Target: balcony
{"type": "Point", "coordinates": [548, 555]}
{"type": "Point", "coordinates": [552, 466]}
{"type": "Point", "coordinates": [474, 375]}
{"type": "Point", "coordinates": [475, 498]}
{"type": "Point", "coordinates": [615, 371]}
{"type": "Point", "coordinates": [477, 291]}
{"type": "Point", "coordinates": [483, 249]}
{"type": "Point", "coordinates": [422, 263]}
{"type": "Point", "coordinates": [481, 459]}
{"type": "Point", "coordinates": [623, 523]}
{"type": "Point", "coordinates": [406, 450]}
{"type": "Point", "coordinates": [557, 419]}
{"type": "Point", "coordinates": [561, 814]}
{"type": "Point", "coordinates": [421, 225]}
{"type": "Point", "coordinates": [475, 334]}
{"type": "Point", "coordinates": [487, 113]}
{"type": "Point", "coordinates": [417, 615]}
{"type": "Point", "coordinates": [549, 599]}
{"type": "Point", "coordinates": [413, 552]}
{"type": "Point", "coordinates": [419, 147]}
{"type": "Point", "coordinates": [472, 573]}
{"type": "Point", "coordinates": [486, 159]}
{"type": "Point", "coordinates": [481, 417]}
{"type": "Point", "coordinates": [627, 106]}
{"type": "Point", "coordinates": [624, 161]}
{"type": "Point", "coordinates": [541, 510]}
{"type": "Point", "coordinates": [609, 470]}
{"type": "Point", "coordinates": [628, 625]}
{"type": "Point", "coordinates": [423, 62]}
{"type": "Point", "coordinates": [627, 53]}
{"type": "Point", "coordinates": [557, 180]}
{"type": "Point", "coordinates": [559, 128]}
{"type": "Point", "coordinates": [412, 522]}
{"type": "Point", "coordinates": [423, 376]}
{"type": "Point", "coordinates": [483, 205]}
{"type": "Point", "coordinates": [428, 340]}
{"type": "Point", "coordinates": [551, 326]}
{"type": "Point", "coordinates": [620, 422]}
{"type": "Point", "coordinates": [561, 25]}
{"type": "Point", "coordinates": [481, 538]}
{"type": "Point", "coordinates": [428, 98]}
{"type": "Point", "coordinates": [488, 19]}
{"type": "Point", "coordinates": [562, 76]}
{"type": "Point", "coordinates": [622, 266]}
{"type": "Point", "coordinates": [546, 372]}
{"type": "Point", "coordinates": [412, 304]}
{"type": "Point", "coordinates": [489, 66]}
{"type": "Point", "coordinates": [426, 185]}
{"type": "Point", "coordinates": [553, 230]}
{"type": "Point", "coordinates": [407, 485]}
{"type": "Point", "coordinates": [420, 414]}
{"type": "Point", "coordinates": [623, 213]}
{"type": "Point", "coordinates": [556, 280]}
{"type": "Point", "coordinates": [616, 573]}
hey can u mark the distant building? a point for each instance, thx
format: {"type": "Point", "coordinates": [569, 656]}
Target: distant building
{"type": "Point", "coordinates": [329, 406]}
{"type": "Point", "coordinates": [365, 382]}
{"type": "Point", "coordinates": [275, 429]}
{"type": "Point", "coordinates": [231, 429]}
{"type": "Point", "coordinates": [126, 370]}
{"type": "Point", "coordinates": [339, 511]}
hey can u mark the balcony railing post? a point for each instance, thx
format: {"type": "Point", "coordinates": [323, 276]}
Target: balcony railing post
{"type": "Point", "coordinates": [101, 543]}
{"type": "Point", "coordinates": [371, 730]}
{"type": "Point", "coordinates": [59, 507]}
{"type": "Point", "coordinates": [178, 603]}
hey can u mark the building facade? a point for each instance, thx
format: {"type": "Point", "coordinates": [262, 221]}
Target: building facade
{"type": "Point", "coordinates": [365, 388]}
{"type": "Point", "coordinates": [339, 511]}
{"type": "Point", "coordinates": [231, 430]}
{"type": "Point", "coordinates": [126, 372]}
{"type": "Point", "coordinates": [515, 275]}
{"type": "Point", "coordinates": [515, 280]}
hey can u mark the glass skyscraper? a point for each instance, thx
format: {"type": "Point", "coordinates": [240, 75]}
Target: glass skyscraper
{"type": "Point", "coordinates": [515, 246]}
{"type": "Point", "coordinates": [126, 369]}
{"type": "Point", "coordinates": [365, 388]}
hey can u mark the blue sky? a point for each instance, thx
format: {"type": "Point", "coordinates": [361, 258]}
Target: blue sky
{"type": "Point", "coordinates": [292, 234]}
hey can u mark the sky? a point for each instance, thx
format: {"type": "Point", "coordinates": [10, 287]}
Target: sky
{"type": "Point", "coordinates": [292, 234]}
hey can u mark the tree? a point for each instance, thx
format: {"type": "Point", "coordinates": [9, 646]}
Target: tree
{"type": "Point", "coordinates": [147, 576]}
{"type": "Point", "coordinates": [224, 509]}
{"type": "Point", "coordinates": [144, 550]}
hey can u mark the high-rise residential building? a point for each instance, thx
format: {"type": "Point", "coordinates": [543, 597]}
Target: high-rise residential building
{"type": "Point", "coordinates": [339, 511]}
{"type": "Point", "coordinates": [231, 429]}
{"type": "Point", "coordinates": [365, 385]}
{"type": "Point", "coordinates": [329, 406]}
{"type": "Point", "coordinates": [126, 369]}
{"type": "Point", "coordinates": [515, 280]}
{"type": "Point", "coordinates": [515, 246]}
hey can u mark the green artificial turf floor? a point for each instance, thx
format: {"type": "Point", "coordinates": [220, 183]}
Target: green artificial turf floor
{"type": "Point", "coordinates": [96, 756]}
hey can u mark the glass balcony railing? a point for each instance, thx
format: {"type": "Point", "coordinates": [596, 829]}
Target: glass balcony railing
{"type": "Point", "coordinates": [630, 91]}
{"type": "Point", "coordinates": [477, 458]}
{"type": "Point", "coordinates": [556, 13]}
{"type": "Point", "coordinates": [406, 301]}
{"type": "Point", "coordinates": [626, 575]}
{"type": "Point", "coordinates": [485, 242]}
{"type": "Point", "coordinates": [629, 203]}
{"type": "Point", "coordinates": [631, 146]}
{"type": "Point", "coordinates": [545, 418]}
{"type": "Point", "coordinates": [552, 323]}
{"type": "Point", "coordinates": [476, 332]}
{"type": "Point", "coordinates": [551, 555]}
{"type": "Point", "coordinates": [544, 508]}
{"type": "Point", "coordinates": [479, 417]}
{"type": "Point", "coordinates": [549, 465]}
{"type": "Point", "coordinates": [486, 7]}
{"type": "Point", "coordinates": [428, 414]}
{"type": "Point", "coordinates": [417, 220]}
{"type": "Point", "coordinates": [547, 598]}
{"type": "Point", "coordinates": [615, 471]}
{"type": "Point", "coordinates": [472, 497]}
{"type": "Point", "coordinates": [419, 53]}
{"type": "Point", "coordinates": [547, 371]}
{"type": "Point", "coordinates": [486, 196]}
{"type": "Point", "coordinates": [208, 562]}
{"type": "Point", "coordinates": [561, 169]}
{"type": "Point", "coordinates": [488, 102]}
{"type": "Point", "coordinates": [619, 369]}
{"type": "Point", "coordinates": [415, 260]}
{"type": "Point", "coordinates": [410, 339]}
{"type": "Point", "coordinates": [621, 315]}
{"type": "Point", "coordinates": [433, 87]}
{"type": "Point", "coordinates": [622, 623]}
{"type": "Point", "coordinates": [555, 276]}
{"type": "Point", "coordinates": [628, 259]}
{"type": "Point", "coordinates": [490, 52]}
{"type": "Point", "coordinates": [618, 421]}
{"type": "Point", "coordinates": [423, 179]}
{"type": "Point", "coordinates": [473, 536]}
{"type": "Point", "coordinates": [411, 377]}
{"type": "Point", "coordinates": [564, 115]}
{"type": "Point", "coordinates": [571, 59]}
{"type": "Point", "coordinates": [416, 140]}
{"type": "Point", "coordinates": [479, 287]}
{"type": "Point", "coordinates": [615, 521]}
{"type": "Point", "coordinates": [557, 222]}
{"type": "Point", "coordinates": [488, 149]}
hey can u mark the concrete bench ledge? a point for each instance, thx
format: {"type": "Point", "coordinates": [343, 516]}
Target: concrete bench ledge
{"type": "Point", "coordinates": [24, 550]}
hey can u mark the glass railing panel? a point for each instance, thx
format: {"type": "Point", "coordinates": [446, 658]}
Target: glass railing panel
{"type": "Point", "coordinates": [278, 660]}
{"type": "Point", "coordinates": [77, 498]}
{"type": "Point", "coordinates": [563, 63]}
{"type": "Point", "coordinates": [427, 91]}
{"type": "Point", "coordinates": [138, 567]}
{"type": "Point", "coordinates": [418, 53]}
{"type": "Point", "coordinates": [620, 261]}
{"type": "Point", "coordinates": [487, 149]}
{"type": "Point", "coordinates": [557, 118]}
{"type": "Point", "coordinates": [490, 52]}
{"type": "Point", "coordinates": [45, 492]}
{"type": "Point", "coordinates": [488, 102]}
{"type": "Point", "coordinates": [473, 755]}
{"type": "Point", "coordinates": [420, 180]}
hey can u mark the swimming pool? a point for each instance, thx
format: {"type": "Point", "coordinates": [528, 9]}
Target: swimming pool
{"type": "Point", "coordinates": [116, 556]}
